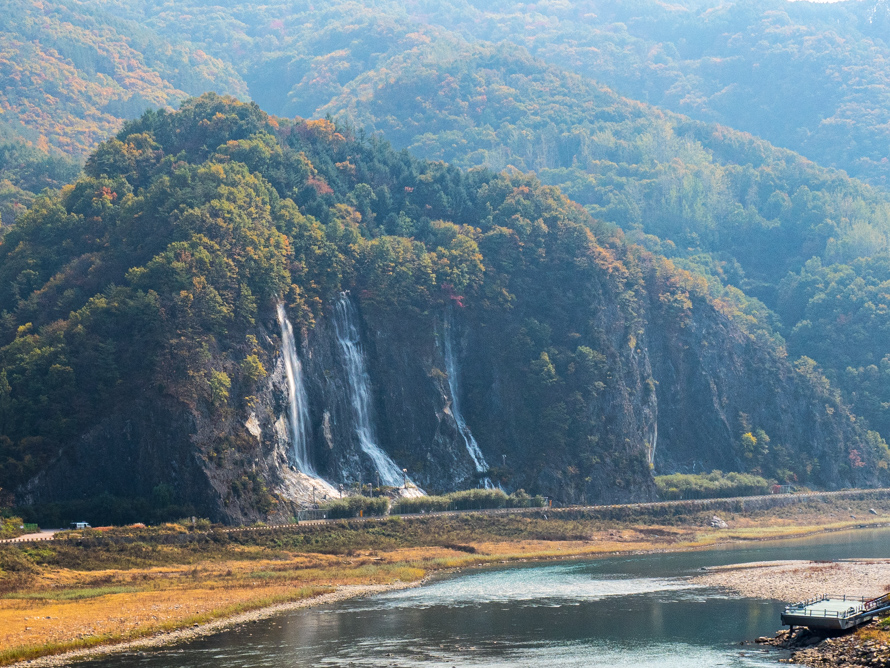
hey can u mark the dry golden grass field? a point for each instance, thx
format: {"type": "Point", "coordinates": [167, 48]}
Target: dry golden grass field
{"type": "Point", "coordinates": [100, 589]}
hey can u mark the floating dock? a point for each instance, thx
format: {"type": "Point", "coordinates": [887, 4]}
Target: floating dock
{"type": "Point", "coordinates": [835, 613]}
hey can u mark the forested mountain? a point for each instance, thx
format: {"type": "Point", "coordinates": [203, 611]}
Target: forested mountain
{"type": "Point", "coordinates": [719, 202]}
{"type": "Point", "coordinates": [812, 77]}
{"type": "Point", "coordinates": [681, 318]}
{"type": "Point", "coordinates": [141, 356]}
{"type": "Point", "coordinates": [704, 187]}
{"type": "Point", "coordinates": [71, 71]}
{"type": "Point", "coordinates": [808, 77]}
{"type": "Point", "coordinates": [839, 315]}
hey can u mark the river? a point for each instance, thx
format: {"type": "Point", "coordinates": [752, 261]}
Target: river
{"type": "Point", "coordinates": [619, 611]}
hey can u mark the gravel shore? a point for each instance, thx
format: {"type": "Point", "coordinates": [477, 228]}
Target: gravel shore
{"type": "Point", "coordinates": [792, 581]}
{"type": "Point", "coordinates": [182, 635]}
{"type": "Point", "coordinates": [798, 580]}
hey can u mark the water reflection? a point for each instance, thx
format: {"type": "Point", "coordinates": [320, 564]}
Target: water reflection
{"type": "Point", "coordinates": [622, 611]}
{"type": "Point", "coordinates": [551, 585]}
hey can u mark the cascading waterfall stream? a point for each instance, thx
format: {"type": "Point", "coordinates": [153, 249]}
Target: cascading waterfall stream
{"type": "Point", "coordinates": [651, 443]}
{"type": "Point", "coordinates": [359, 390]}
{"type": "Point", "coordinates": [298, 402]}
{"type": "Point", "coordinates": [454, 388]}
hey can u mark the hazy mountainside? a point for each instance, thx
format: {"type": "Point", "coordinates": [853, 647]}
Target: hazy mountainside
{"type": "Point", "coordinates": [71, 71]}
{"type": "Point", "coordinates": [141, 365]}
{"type": "Point", "coordinates": [720, 202]}
{"type": "Point", "coordinates": [812, 77]}
{"type": "Point", "coordinates": [702, 186]}
{"type": "Point", "coordinates": [808, 77]}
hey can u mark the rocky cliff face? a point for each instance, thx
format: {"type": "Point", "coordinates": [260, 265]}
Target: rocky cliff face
{"type": "Point", "coordinates": [678, 398]}
{"type": "Point", "coordinates": [715, 384]}
{"type": "Point", "coordinates": [410, 403]}
{"type": "Point", "coordinates": [467, 328]}
{"type": "Point", "coordinates": [413, 412]}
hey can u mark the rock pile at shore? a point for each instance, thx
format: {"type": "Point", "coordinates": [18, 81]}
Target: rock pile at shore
{"type": "Point", "coordinates": [818, 651]}
{"type": "Point", "coordinates": [792, 581]}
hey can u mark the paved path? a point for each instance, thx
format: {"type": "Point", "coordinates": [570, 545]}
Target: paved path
{"type": "Point", "coordinates": [43, 534]}
{"type": "Point", "coordinates": [851, 493]}
{"type": "Point", "coordinates": [556, 511]}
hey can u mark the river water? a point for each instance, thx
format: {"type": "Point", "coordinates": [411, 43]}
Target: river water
{"type": "Point", "coordinates": [636, 611]}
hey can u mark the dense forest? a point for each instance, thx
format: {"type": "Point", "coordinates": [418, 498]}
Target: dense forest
{"type": "Point", "coordinates": [752, 218]}
{"type": "Point", "coordinates": [152, 279]}
{"type": "Point", "coordinates": [70, 75]}
{"type": "Point", "coordinates": [728, 158]}
{"type": "Point", "coordinates": [808, 77]}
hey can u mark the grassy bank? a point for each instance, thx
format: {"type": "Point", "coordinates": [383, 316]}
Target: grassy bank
{"type": "Point", "coordinates": [130, 629]}
{"type": "Point", "coordinates": [98, 588]}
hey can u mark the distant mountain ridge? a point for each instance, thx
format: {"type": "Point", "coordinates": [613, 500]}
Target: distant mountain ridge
{"type": "Point", "coordinates": [808, 77]}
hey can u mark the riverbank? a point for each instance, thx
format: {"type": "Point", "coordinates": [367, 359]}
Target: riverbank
{"type": "Point", "coordinates": [188, 634]}
{"type": "Point", "coordinates": [867, 647]}
{"type": "Point", "coordinates": [99, 592]}
{"type": "Point", "coordinates": [791, 581]}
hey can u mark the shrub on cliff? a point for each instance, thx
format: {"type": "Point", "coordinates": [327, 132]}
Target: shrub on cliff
{"type": "Point", "coordinates": [715, 484]}
{"type": "Point", "coordinates": [353, 506]}
{"type": "Point", "coordinates": [471, 499]}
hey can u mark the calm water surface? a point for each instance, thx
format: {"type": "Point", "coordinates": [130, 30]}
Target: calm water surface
{"type": "Point", "coordinates": [622, 611]}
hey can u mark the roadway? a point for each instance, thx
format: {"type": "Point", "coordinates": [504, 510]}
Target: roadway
{"type": "Point", "coordinates": [49, 534]}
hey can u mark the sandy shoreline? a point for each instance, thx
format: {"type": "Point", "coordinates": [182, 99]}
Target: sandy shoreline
{"type": "Point", "coordinates": [792, 581]}
{"type": "Point", "coordinates": [342, 593]}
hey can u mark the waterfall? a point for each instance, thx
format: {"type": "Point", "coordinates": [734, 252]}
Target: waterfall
{"type": "Point", "coordinates": [454, 388]}
{"type": "Point", "coordinates": [651, 443]}
{"type": "Point", "coordinates": [298, 402]}
{"type": "Point", "coordinates": [359, 391]}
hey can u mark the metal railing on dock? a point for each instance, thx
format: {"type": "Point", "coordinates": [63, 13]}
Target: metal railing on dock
{"type": "Point", "coordinates": [810, 613]}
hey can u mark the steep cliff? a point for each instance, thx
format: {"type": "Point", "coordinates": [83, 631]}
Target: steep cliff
{"type": "Point", "coordinates": [455, 329]}
{"type": "Point", "coordinates": [717, 387]}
